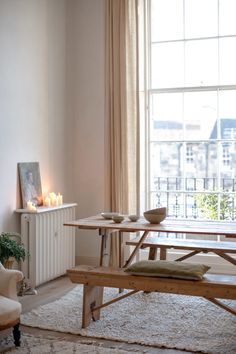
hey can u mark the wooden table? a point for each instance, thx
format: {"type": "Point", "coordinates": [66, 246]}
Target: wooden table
{"type": "Point", "coordinates": [95, 278]}
{"type": "Point", "coordinates": [107, 227]}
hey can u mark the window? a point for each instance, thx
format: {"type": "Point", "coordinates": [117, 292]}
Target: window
{"type": "Point", "coordinates": [189, 154]}
{"type": "Point", "coordinates": [189, 147]}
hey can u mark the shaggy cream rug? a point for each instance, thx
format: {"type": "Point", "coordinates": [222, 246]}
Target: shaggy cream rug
{"type": "Point", "coordinates": [156, 319]}
{"type": "Point", "coordinates": [40, 345]}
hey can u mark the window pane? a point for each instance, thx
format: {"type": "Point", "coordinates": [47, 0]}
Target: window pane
{"type": "Point", "coordinates": [227, 61]}
{"type": "Point", "coordinates": [167, 117]}
{"type": "Point", "coordinates": [227, 23]}
{"type": "Point", "coordinates": [200, 18]}
{"type": "Point", "coordinates": [227, 114]}
{"type": "Point", "coordinates": [200, 162]}
{"type": "Point", "coordinates": [227, 161]}
{"type": "Point", "coordinates": [158, 199]}
{"type": "Point", "coordinates": [167, 68]}
{"type": "Point", "coordinates": [165, 161]}
{"type": "Point", "coordinates": [200, 112]}
{"type": "Point", "coordinates": [227, 106]}
{"type": "Point", "coordinates": [166, 20]}
{"type": "Point", "coordinates": [202, 62]}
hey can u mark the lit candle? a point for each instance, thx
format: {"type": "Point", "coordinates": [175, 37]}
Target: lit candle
{"type": "Point", "coordinates": [59, 199]}
{"type": "Point", "coordinates": [47, 202]}
{"type": "Point", "coordinates": [52, 195]}
{"type": "Point", "coordinates": [31, 206]}
{"type": "Point", "coordinates": [53, 199]}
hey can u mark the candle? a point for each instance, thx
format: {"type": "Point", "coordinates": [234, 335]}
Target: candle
{"type": "Point", "coordinates": [59, 199]}
{"type": "Point", "coordinates": [31, 206]}
{"type": "Point", "coordinates": [53, 199]}
{"type": "Point", "coordinates": [52, 195]}
{"type": "Point", "coordinates": [47, 202]}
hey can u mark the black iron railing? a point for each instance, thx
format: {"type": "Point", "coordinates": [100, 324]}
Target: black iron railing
{"type": "Point", "coordinates": [196, 198]}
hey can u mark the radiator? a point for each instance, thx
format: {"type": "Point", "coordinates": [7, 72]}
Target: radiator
{"type": "Point", "coordinates": [50, 244]}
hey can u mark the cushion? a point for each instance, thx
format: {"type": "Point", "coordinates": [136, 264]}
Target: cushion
{"type": "Point", "coordinates": [10, 311]}
{"type": "Point", "coordinates": [168, 269]}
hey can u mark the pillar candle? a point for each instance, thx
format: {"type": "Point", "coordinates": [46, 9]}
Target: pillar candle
{"type": "Point", "coordinates": [47, 202]}
{"type": "Point", "coordinates": [59, 199]}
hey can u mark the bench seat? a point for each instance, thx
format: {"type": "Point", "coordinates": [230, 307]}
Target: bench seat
{"type": "Point", "coordinates": [195, 246]}
{"type": "Point", "coordinates": [95, 278]}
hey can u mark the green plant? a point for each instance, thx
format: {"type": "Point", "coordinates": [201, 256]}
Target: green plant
{"type": "Point", "coordinates": [9, 247]}
{"type": "Point", "coordinates": [208, 204]}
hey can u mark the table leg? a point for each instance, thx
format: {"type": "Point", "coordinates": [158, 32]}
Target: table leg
{"type": "Point", "coordinates": [137, 247]}
{"type": "Point", "coordinates": [121, 254]}
{"type": "Point", "coordinates": [104, 248]}
{"type": "Point", "coordinates": [121, 249]}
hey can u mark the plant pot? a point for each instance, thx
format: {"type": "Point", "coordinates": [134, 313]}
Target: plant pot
{"type": "Point", "coordinates": [9, 263]}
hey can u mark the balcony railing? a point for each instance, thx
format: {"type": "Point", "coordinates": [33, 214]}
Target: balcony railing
{"type": "Point", "coordinates": [196, 198]}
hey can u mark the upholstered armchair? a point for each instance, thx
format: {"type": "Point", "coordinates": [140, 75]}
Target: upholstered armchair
{"type": "Point", "coordinates": [10, 308]}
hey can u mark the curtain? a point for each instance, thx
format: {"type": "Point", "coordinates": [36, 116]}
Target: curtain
{"type": "Point", "coordinates": [122, 103]}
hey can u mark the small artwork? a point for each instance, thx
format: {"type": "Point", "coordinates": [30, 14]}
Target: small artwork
{"type": "Point", "coordinates": [30, 183]}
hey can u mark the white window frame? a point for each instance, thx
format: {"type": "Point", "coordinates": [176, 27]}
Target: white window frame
{"type": "Point", "coordinates": [145, 132]}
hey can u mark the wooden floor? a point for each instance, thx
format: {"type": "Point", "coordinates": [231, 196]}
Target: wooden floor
{"type": "Point", "coordinates": [54, 290]}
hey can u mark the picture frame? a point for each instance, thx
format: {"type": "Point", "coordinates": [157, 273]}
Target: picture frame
{"type": "Point", "coordinates": [30, 183]}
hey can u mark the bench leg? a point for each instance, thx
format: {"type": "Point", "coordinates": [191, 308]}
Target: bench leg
{"type": "Point", "coordinates": [92, 297]}
{"type": "Point", "coordinates": [162, 253]}
{"type": "Point", "coordinates": [152, 253]}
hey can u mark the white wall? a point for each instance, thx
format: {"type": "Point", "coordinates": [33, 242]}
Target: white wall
{"type": "Point", "coordinates": [86, 89]}
{"type": "Point", "coordinates": [32, 97]}
{"type": "Point", "coordinates": [52, 105]}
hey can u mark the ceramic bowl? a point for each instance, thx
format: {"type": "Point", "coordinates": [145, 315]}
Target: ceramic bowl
{"type": "Point", "coordinates": [133, 217]}
{"type": "Point", "coordinates": [109, 215]}
{"type": "Point", "coordinates": [154, 218]}
{"type": "Point", "coordinates": [118, 218]}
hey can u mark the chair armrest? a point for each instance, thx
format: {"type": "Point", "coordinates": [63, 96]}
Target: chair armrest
{"type": "Point", "coordinates": [8, 280]}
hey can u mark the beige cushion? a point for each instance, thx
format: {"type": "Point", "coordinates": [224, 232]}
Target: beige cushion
{"type": "Point", "coordinates": [10, 310]}
{"type": "Point", "coordinates": [168, 269]}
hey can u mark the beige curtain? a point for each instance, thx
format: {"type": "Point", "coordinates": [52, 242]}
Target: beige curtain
{"type": "Point", "coordinates": [122, 110]}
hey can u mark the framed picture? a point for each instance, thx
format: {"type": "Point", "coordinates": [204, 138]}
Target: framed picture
{"type": "Point", "coordinates": [30, 183]}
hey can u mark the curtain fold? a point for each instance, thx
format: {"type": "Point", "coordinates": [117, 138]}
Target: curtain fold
{"type": "Point", "coordinates": [122, 100]}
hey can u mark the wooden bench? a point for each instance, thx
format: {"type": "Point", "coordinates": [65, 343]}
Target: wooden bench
{"type": "Point", "coordinates": [195, 246]}
{"type": "Point", "coordinates": [212, 287]}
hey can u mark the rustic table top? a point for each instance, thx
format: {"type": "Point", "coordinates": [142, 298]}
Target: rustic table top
{"type": "Point", "coordinates": [224, 228]}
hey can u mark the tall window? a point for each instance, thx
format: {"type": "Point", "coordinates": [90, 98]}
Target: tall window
{"type": "Point", "coordinates": [190, 123]}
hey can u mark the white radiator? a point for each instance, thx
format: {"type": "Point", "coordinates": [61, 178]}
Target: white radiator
{"type": "Point", "coordinates": [50, 244]}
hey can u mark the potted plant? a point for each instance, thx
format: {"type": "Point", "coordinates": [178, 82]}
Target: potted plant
{"type": "Point", "coordinates": [10, 249]}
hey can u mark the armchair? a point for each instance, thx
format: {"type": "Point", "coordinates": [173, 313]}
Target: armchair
{"type": "Point", "coordinates": [10, 308]}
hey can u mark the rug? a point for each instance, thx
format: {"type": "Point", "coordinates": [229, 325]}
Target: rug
{"type": "Point", "coordinates": [40, 345]}
{"type": "Point", "coordinates": [155, 319]}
